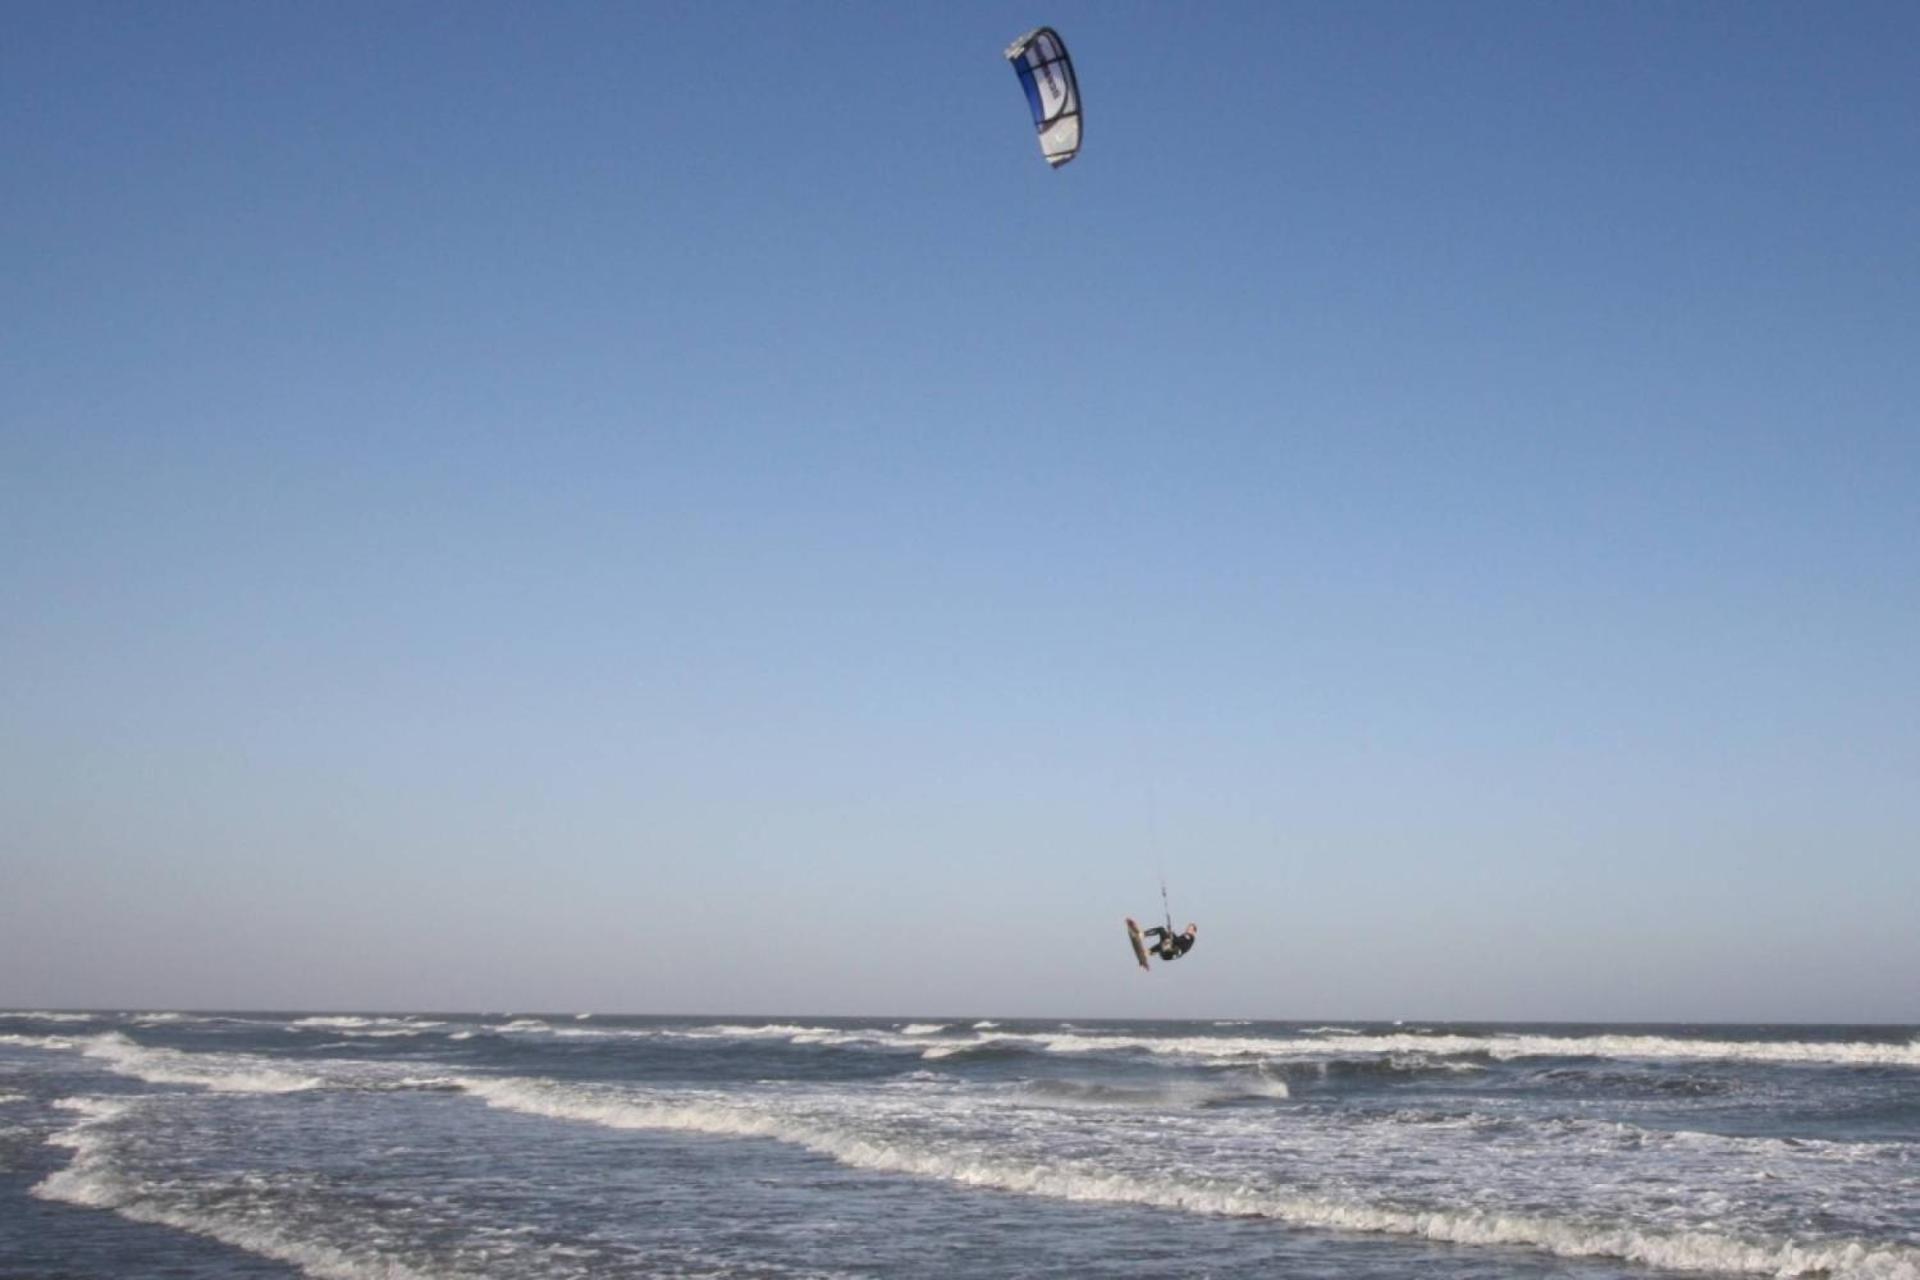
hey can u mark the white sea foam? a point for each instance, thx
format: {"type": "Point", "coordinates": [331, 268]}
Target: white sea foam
{"type": "Point", "coordinates": [92, 1180]}
{"type": "Point", "coordinates": [1320, 1042]}
{"type": "Point", "coordinates": [6, 1098]}
{"type": "Point", "coordinates": [1442, 1045]}
{"type": "Point", "coordinates": [607, 1033]}
{"type": "Point", "coordinates": [47, 1015]}
{"type": "Point", "coordinates": [83, 1181]}
{"type": "Point", "coordinates": [949, 1049]}
{"type": "Point", "coordinates": [916, 1079]}
{"type": "Point", "coordinates": [1742, 1145]}
{"type": "Point", "coordinates": [39, 1042]}
{"type": "Point", "coordinates": [923, 1028]}
{"type": "Point", "coordinates": [1085, 1180]}
{"type": "Point", "coordinates": [164, 1017]}
{"type": "Point", "coordinates": [1575, 1133]}
{"type": "Point", "coordinates": [1173, 1092]}
{"type": "Point", "coordinates": [432, 1084]}
{"type": "Point", "coordinates": [220, 1072]}
{"type": "Point", "coordinates": [522, 1026]}
{"type": "Point", "coordinates": [364, 1025]}
{"type": "Point", "coordinates": [1265, 1086]}
{"type": "Point", "coordinates": [793, 1033]}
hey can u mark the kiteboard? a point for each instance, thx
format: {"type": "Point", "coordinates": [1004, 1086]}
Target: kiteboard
{"type": "Point", "coordinates": [1139, 946]}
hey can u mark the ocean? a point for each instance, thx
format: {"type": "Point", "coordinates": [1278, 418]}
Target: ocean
{"type": "Point", "coordinates": [388, 1147]}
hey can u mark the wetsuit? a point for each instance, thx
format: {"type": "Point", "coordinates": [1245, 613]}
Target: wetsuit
{"type": "Point", "coordinates": [1171, 945]}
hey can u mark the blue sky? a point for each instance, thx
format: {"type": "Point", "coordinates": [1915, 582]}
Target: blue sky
{"type": "Point", "coordinates": [676, 508]}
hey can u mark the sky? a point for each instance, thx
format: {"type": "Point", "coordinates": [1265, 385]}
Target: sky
{"type": "Point", "coordinates": [676, 508]}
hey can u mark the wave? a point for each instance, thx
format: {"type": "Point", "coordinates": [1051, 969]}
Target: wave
{"type": "Point", "coordinates": [984, 1024]}
{"type": "Point", "coordinates": [1094, 1094]}
{"type": "Point", "coordinates": [80, 1183]}
{"type": "Point", "coordinates": [599, 1033]}
{"type": "Point", "coordinates": [1492, 1047]}
{"type": "Point", "coordinates": [1584, 1079]}
{"type": "Point", "coordinates": [1391, 1066]}
{"type": "Point", "coordinates": [1719, 1144]}
{"type": "Point", "coordinates": [350, 1022]}
{"type": "Point", "coordinates": [38, 1042]}
{"type": "Point", "coordinates": [221, 1073]}
{"type": "Point", "coordinates": [1308, 1045]}
{"type": "Point", "coordinates": [741, 1031]}
{"type": "Point", "coordinates": [7, 1098]}
{"type": "Point", "coordinates": [425, 1084]}
{"type": "Point", "coordinates": [911, 1038]}
{"type": "Point", "coordinates": [163, 1017]}
{"type": "Point", "coordinates": [980, 1050]}
{"type": "Point", "coordinates": [245, 1073]}
{"type": "Point", "coordinates": [1082, 1180]}
{"type": "Point", "coordinates": [1588, 1134]}
{"type": "Point", "coordinates": [92, 1181]}
{"type": "Point", "coordinates": [1179, 1094]}
{"type": "Point", "coordinates": [1316, 1043]}
{"type": "Point", "coordinates": [47, 1015]}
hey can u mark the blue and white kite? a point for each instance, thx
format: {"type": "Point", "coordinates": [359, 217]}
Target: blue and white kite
{"type": "Point", "coordinates": [1040, 59]}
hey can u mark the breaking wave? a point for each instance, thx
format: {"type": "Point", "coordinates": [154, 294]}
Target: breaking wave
{"type": "Point", "coordinates": [522, 1026]}
{"type": "Point", "coordinates": [39, 1042]}
{"type": "Point", "coordinates": [1493, 1047]}
{"type": "Point", "coordinates": [47, 1015]}
{"type": "Point", "coordinates": [1183, 1094]}
{"type": "Point", "coordinates": [222, 1073]}
{"type": "Point", "coordinates": [1081, 1180]}
{"type": "Point", "coordinates": [1389, 1066]}
{"type": "Point", "coordinates": [980, 1050]}
{"type": "Point", "coordinates": [352, 1024]}
{"type": "Point", "coordinates": [1427, 1048]}
{"type": "Point", "coordinates": [91, 1180]}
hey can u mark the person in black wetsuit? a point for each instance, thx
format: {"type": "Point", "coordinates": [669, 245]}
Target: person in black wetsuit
{"type": "Point", "coordinates": [1169, 945]}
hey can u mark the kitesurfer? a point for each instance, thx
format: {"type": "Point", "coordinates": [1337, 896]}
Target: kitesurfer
{"type": "Point", "coordinates": [1170, 945]}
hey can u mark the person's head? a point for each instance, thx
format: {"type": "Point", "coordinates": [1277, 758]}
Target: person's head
{"type": "Point", "coordinates": [1192, 928]}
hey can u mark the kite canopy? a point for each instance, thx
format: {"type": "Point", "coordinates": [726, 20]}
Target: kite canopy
{"type": "Point", "coordinates": [1040, 59]}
